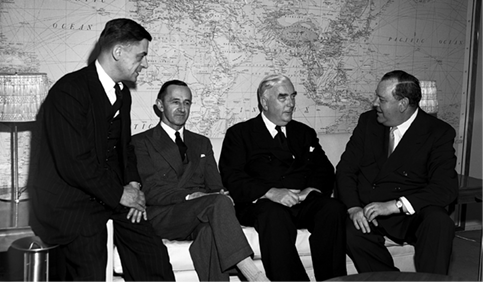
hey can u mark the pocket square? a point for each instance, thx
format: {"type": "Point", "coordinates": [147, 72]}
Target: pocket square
{"type": "Point", "coordinates": [311, 149]}
{"type": "Point", "coordinates": [202, 156]}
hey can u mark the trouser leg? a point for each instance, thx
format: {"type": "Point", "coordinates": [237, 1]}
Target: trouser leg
{"type": "Point", "coordinates": [85, 258]}
{"type": "Point", "coordinates": [434, 232]}
{"type": "Point", "coordinates": [277, 235]}
{"type": "Point", "coordinates": [367, 250]}
{"type": "Point", "coordinates": [144, 257]}
{"type": "Point", "coordinates": [325, 217]}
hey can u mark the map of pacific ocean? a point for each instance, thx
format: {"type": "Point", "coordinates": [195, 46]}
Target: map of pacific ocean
{"type": "Point", "coordinates": [335, 52]}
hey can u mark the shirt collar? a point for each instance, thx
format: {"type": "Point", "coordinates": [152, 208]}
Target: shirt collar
{"type": "Point", "coordinates": [105, 79]}
{"type": "Point", "coordinates": [403, 127]}
{"type": "Point", "coordinates": [271, 126]}
{"type": "Point", "coordinates": [171, 132]}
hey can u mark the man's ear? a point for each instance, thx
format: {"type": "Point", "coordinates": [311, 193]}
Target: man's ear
{"type": "Point", "coordinates": [116, 52]}
{"type": "Point", "coordinates": [263, 103]}
{"type": "Point", "coordinates": [159, 105]}
{"type": "Point", "coordinates": [403, 104]}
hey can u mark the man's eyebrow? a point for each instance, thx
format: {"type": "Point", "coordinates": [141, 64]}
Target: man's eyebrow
{"type": "Point", "coordinates": [285, 94]}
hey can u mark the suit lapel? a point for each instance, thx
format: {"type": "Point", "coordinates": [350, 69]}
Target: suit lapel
{"type": "Point", "coordinates": [167, 149]}
{"type": "Point", "coordinates": [193, 153]}
{"type": "Point", "coordinates": [97, 96]}
{"type": "Point", "coordinates": [409, 145]}
{"type": "Point", "coordinates": [263, 137]}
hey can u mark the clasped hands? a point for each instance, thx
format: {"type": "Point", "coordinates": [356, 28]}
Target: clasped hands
{"type": "Point", "coordinates": [361, 217]}
{"type": "Point", "coordinates": [288, 197]}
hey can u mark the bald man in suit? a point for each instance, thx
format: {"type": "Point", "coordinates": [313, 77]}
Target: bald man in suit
{"type": "Point", "coordinates": [184, 194]}
{"type": "Point", "coordinates": [396, 177]}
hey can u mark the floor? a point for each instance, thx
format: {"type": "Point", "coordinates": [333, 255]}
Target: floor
{"type": "Point", "coordinates": [464, 263]}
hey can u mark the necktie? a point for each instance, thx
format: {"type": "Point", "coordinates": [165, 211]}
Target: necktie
{"type": "Point", "coordinates": [181, 146]}
{"type": "Point", "coordinates": [117, 105]}
{"type": "Point", "coordinates": [281, 138]}
{"type": "Point", "coordinates": [391, 141]}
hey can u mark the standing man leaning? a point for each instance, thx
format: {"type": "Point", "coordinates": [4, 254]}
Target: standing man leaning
{"type": "Point", "coordinates": [184, 194]}
{"type": "Point", "coordinates": [396, 177]}
{"type": "Point", "coordinates": [281, 181]}
{"type": "Point", "coordinates": [86, 171]}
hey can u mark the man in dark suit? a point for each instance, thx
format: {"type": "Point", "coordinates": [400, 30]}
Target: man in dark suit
{"type": "Point", "coordinates": [281, 181]}
{"type": "Point", "coordinates": [396, 177]}
{"type": "Point", "coordinates": [86, 170]}
{"type": "Point", "coordinates": [184, 194]}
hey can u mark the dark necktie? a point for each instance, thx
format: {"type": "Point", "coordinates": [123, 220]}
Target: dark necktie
{"type": "Point", "coordinates": [390, 148]}
{"type": "Point", "coordinates": [181, 146]}
{"type": "Point", "coordinates": [281, 138]}
{"type": "Point", "coordinates": [117, 105]}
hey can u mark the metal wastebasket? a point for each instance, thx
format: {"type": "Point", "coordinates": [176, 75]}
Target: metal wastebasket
{"type": "Point", "coordinates": [35, 258]}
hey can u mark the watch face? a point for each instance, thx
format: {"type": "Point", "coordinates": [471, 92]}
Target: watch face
{"type": "Point", "coordinates": [398, 204]}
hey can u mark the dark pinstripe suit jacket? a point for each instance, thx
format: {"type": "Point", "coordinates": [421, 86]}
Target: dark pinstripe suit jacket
{"type": "Point", "coordinates": [72, 189]}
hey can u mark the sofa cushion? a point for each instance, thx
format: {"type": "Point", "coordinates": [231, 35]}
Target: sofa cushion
{"type": "Point", "coordinates": [181, 260]}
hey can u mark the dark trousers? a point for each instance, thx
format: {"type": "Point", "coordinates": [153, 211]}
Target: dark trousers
{"type": "Point", "coordinates": [431, 231]}
{"type": "Point", "coordinates": [277, 226]}
{"type": "Point", "coordinates": [218, 240]}
{"type": "Point", "coordinates": [144, 257]}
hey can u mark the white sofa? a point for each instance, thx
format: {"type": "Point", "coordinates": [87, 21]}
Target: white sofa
{"type": "Point", "coordinates": [333, 145]}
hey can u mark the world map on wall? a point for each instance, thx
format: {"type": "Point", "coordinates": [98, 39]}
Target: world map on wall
{"type": "Point", "coordinates": [335, 52]}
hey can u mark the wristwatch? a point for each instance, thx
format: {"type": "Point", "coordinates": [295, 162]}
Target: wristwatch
{"type": "Point", "coordinates": [399, 205]}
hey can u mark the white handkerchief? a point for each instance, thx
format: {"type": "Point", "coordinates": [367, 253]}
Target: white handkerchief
{"type": "Point", "coordinates": [311, 149]}
{"type": "Point", "coordinates": [202, 155]}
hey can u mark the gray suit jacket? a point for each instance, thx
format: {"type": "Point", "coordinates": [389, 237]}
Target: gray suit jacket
{"type": "Point", "coordinates": [161, 168]}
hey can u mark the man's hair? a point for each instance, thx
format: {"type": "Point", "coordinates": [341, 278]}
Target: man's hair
{"type": "Point", "coordinates": [123, 31]}
{"type": "Point", "coordinates": [407, 86]}
{"type": "Point", "coordinates": [162, 92]}
{"type": "Point", "coordinates": [267, 83]}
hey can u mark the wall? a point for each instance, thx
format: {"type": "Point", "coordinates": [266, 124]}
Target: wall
{"type": "Point", "coordinates": [474, 217]}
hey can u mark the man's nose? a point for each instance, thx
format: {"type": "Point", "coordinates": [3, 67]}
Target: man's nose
{"type": "Point", "coordinates": [376, 102]}
{"type": "Point", "coordinates": [144, 63]}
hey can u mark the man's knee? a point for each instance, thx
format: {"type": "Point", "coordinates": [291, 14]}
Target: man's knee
{"type": "Point", "coordinates": [222, 200]}
{"type": "Point", "coordinates": [436, 220]}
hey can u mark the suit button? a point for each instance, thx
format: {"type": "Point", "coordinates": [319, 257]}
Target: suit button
{"type": "Point", "coordinates": [373, 186]}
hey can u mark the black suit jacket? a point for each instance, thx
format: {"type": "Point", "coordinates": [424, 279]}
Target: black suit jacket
{"type": "Point", "coordinates": [73, 189]}
{"type": "Point", "coordinates": [250, 164]}
{"type": "Point", "coordinates": [421, 168]}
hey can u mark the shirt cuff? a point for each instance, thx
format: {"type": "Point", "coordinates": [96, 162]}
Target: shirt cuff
{"type": "Point", "coordinates": [408, 206]}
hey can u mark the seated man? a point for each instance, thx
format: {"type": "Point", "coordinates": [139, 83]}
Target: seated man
{"type": "Point", "coordinates": [396, 177]}
{"type": "Point", "coordinates": [281, 181]}
{"type": "Point", "coordinates": [184, 195]}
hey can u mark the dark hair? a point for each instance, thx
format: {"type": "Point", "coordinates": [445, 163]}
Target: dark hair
{"type": "Point", "coordinates": [122, 31]}
{"type": "Point", "coordinates": [164, 88]}
{"type": "Point", "coordinates": [407, 87]}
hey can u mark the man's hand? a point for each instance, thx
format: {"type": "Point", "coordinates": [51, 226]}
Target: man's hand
{"type": "Point", "coordinates": [304, 193]}
{"type": "Point", "coordinates": [283, 196]}
{"type": "Point", "coordinates": [373, 210]}
{"type": "Point", "coordinates": [134, 198]}
{"type": "Point", "coordinates": [356, 214]}
{"type": "Point", "coordinates": [136, 215]}
{"type": "Point", "coordinates": [196, 195]}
